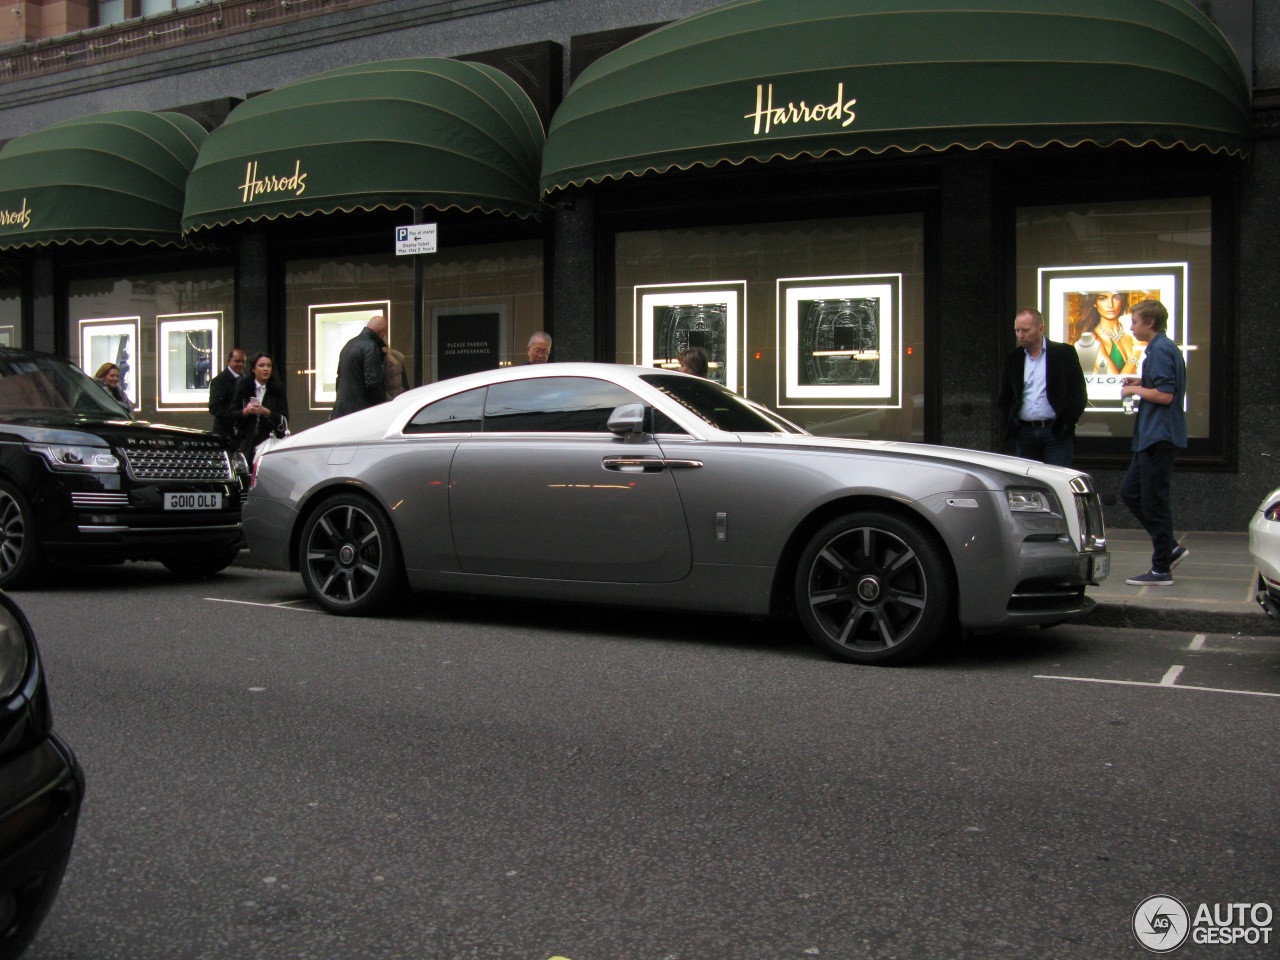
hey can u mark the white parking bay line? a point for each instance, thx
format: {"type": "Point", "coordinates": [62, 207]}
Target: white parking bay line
{"type": "Point", "coordinates": [285, 605]}
{"type": "Point", "coordinates": [1170, 685]}
{"type": "Point", "coordinates": [1171, 676]}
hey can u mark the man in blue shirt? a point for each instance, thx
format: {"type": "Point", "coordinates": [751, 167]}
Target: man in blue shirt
{"type": "Point", "coordinates": [1042, 392]}
{"type": "Point", "coordinates": [1159, 432]}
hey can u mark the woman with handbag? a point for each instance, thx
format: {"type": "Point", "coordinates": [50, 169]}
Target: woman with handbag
{"type": "Point", "coordinates": [261, 407]}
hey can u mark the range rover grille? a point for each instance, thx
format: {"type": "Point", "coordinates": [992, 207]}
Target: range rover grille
{"type": "Point", "coordinates": [191, 463]}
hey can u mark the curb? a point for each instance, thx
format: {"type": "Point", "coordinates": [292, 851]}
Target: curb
{"type": "Point", "coordinates": [1145, 617]}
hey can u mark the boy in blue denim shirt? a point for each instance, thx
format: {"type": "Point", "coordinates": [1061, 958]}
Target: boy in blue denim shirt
{"type": "Point", "coordinates": [1160, 431]}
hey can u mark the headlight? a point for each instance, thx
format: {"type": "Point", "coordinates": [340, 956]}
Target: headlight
{"type": "Point", "coordinates": [240, 463]}
{"type": "Point", "coordinates": [1271, 512]}
{"type": "Point", "coordinates": [13, 655]}
{"type": "Point", "coordinates": [87, 459]}
{"type": "Point", "coordinates": [1030, 501]}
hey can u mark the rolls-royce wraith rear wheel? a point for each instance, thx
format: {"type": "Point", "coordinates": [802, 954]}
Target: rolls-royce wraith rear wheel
{"type": "Point", "coordinates": [873, 588]}
{"type": "Point", "coordinates": [21, 559]}
{"type": "Point", "coordinates": [349, 557]}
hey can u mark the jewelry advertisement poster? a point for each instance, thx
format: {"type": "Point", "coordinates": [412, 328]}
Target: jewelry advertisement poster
{"type": "Point", "coordinates": [838, 340]}
{"type": "Point", "coordinates": [112, 340]}
{"type": "Point", "coordinates": [1088, 307]}
{"type": "Point", "coordinates": [673, 318]}
{"type": "Point", "coordinates": [468, 337]}
{"type": "Point", "coordinates": [331, 326]}
{"type": "Point", "coordinates": [188, 357]}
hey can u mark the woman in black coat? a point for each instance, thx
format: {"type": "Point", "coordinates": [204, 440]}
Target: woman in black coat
{"type": "Point", "coordinates": [260, 404]}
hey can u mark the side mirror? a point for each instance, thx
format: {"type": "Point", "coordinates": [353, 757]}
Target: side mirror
{"type": "Point", "coordinates": [627, 420]}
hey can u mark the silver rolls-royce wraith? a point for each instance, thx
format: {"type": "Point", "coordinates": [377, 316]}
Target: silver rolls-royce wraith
{"type": "Point", "coordinates": [637, 487]}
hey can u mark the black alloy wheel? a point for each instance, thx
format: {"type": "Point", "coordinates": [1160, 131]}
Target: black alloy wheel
{"type": "Point", "coordinates": [873, 588]}
{"type": "Point", "coordinates": [349, 557]}
{"type": "Point", "coordinates": [21, 559]}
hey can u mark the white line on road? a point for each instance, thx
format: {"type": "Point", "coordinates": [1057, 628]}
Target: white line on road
{"type": "Point", "coordinates": [1170, 676]}
{"type": "Point", "coordinates": [285, 605]}
{"type": "Point", "coordinates": [1197, 642]}
{"type": "Point", "coordinates": [1161, 684]}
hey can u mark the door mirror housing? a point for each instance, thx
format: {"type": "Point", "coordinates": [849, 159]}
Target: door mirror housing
{"type": "Point", "coordinates": [627, 421]}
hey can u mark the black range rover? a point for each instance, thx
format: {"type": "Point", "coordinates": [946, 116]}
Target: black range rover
{"type": "Point", "coordinates": [81, 482]}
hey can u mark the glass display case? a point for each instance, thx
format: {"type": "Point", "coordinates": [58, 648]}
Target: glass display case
{"type": "Point", "coordinates": [190, 346]}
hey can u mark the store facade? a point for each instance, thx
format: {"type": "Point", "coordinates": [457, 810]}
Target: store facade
{"type": "Point", "coordinates": [844, 208]}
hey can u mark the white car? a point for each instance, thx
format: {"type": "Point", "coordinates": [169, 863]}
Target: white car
{"type": "Point", "coordinates": [1264, 544]}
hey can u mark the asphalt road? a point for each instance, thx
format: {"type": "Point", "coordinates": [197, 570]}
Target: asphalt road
{"type": "Point", "coordinates": [508, 781]}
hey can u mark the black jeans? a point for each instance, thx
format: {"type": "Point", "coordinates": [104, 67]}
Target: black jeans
{"type": "Point", "coordinates": [1039, 443]}
{"type": "Point", "coordinates": [1147, 490]}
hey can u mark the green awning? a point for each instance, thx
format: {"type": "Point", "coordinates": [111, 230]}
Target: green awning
{"type": "Point", "coordinates": [767, 79]}
{"type": "Point", "coordinates": [422, 132]}
{"type": "Point", "coordinates": [108, 178]}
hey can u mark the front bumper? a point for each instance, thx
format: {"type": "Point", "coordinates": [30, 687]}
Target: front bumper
{"type": "Point", "coordinates": [41, 791]}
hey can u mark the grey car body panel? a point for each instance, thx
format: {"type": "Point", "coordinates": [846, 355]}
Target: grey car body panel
{"type": "Point", "coordinates": [700, 523]}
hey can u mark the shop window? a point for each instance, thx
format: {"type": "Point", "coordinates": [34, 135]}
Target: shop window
{"type": "Point", "coordinates": [10, 317]}
{"type": "Point", "coordinates": [1084, 266]}
{"type": "Point", "coordinates": [168, 334]}
{"type": "Point", "coordinates": [822, 321]}
{"type": "Point", "coordinates": [480, 305]}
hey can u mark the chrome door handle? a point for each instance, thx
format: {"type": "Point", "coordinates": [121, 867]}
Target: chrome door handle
{"type": "Point", "coordinates": [635, 464]}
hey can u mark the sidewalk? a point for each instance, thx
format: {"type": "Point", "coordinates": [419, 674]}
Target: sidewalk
{"type": "Point", "coordinates": [1212, 592]}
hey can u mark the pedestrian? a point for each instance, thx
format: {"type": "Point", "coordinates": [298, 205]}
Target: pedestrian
{"type": "Point", "coordinates": [361, 382]}
{"type": "Point", "coordinates": [222, 389]}
{"type": "Point", "coordinates": [694, 361]}
{"type": "Point", "coordinates": [108, 377]}
{"type": "Point", "coordinates": [1159, 431]}
{"type": "Point", "coordinates": [1042, 393]}
{"type": "Point", "coordinates": [261, 404]}
{"type": "Point", "coordinates": [539, 347]}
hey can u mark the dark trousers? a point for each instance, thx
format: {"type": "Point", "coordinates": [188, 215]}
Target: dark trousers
{"type": "Point", "coordinates": [1039, 443]}
{"type": "Point", "coordinates": [1147, 490]}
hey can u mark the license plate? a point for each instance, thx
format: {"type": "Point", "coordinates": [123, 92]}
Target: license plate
{"type": "Point", "coordinates": [1099, 567]}
{"type": "Point", "coordinates": [193, 501]}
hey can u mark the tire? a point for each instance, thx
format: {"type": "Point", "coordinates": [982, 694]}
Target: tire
{"type": "Point", "coordinates": [201, 567]}
{"type": "Point", "coordinates": [874, 589]}
{"type": "Point", "coordinates": [349, 557]}
{"type": "Point", "coordinates": [21, 558]}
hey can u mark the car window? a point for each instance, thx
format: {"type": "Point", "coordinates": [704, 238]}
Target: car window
{"type": "Point", "coordinates": [460, 413]}
{"type": "Point", "coordinates": [46, 384]}
{"type": "Point", "coordinates": [554, 405]}
{"type": "Point", "coordinates": [721, 408]}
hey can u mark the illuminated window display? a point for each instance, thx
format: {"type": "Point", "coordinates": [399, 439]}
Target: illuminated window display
{"type": "Point", "coordinates": [673, 319]}
{"type": "Point", "coordinates": [112, 340]}
{"type": "Point", "coordinates": [189, 350]}
{"type": "Point", "coordinates": [838, 341]}
{"type": "Point", "coordinates": [1089, 308]}
{"type": "Point", "coordinates": [10, 317]}
{"type": "Point", "coordinates": [168, 321]}
{"type": "Point", "coordinates": [1086, 265]}
{"type": "Point", "coordinates": [331, 326]}
{"type": "Point", "coordinates": [829, 315]}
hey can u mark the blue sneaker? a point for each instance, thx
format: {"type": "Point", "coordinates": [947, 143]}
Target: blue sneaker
{"type": "Point", "coordinates": [1151, 579]}
{"type": "Point", "coordinates": [1179, 554]}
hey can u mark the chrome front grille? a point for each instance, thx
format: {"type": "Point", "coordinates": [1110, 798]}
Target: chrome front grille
{"type": "Point", "coordinates": [179, 463]}
{"type": "Point", "coordinates": [99, 501]}
{"type": "Point", "coordinates": [1093, 534]}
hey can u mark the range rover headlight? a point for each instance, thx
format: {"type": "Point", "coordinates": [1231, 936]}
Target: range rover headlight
{"type": "Point", "coordinates": [240, 463]}
{"type": "Point", "coordinates": [1030, 501]}
{"type": "Point", "coordinates": [78, 458]}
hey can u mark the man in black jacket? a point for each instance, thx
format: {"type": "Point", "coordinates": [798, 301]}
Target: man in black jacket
{"type": "Point", "coordinates": [360, 369]}
{"type": "Point", "coordinates": [222, 389]}
{"type": "Point", "coordinates": [1042, 392]}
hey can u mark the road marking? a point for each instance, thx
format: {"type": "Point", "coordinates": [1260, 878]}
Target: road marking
{"type": "Point", "coordinates": [1161, 684]}
{"type": "Point", "coordinates": [283, 605]}
{"type": "Point", "coordinates": [1197, 642]}
{"type": "Point", "coordinates": [1170, 676]}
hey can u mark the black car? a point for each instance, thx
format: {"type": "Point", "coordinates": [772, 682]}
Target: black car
{"type": "Point", "coordinates": [41, 787]}
{"type": "Point", "coordinates": [82, 482]}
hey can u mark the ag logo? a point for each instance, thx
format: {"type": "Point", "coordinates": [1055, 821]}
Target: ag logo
{"type": "Point", "coordinates": [1161, 924]}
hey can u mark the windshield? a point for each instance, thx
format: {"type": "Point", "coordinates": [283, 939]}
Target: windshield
{"type": "Point", "coordinates": [718, 407]}
{"type": "Point", "coordinates": [39, 385]}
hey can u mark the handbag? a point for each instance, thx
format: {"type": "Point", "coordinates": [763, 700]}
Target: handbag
{"type": "Point", "coordinates": [268, 442]}
{"type": "Point", "coordinates": [282, 429]}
